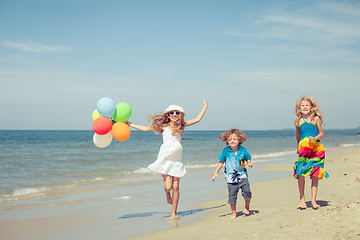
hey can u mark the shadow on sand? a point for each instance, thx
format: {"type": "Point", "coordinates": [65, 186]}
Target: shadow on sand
{"type": "Point", "coordinates": [180, 213]}
{"type": "Point", "coordinates": [238, 214]}
{"type": "Point", "coordinates": [322, 203]}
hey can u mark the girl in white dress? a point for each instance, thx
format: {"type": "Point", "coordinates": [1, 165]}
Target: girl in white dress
{"type": "Point", "coordinates": [171, 125]}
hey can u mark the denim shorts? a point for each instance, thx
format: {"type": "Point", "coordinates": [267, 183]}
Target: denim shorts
{"type": "Point", "coordinates": [235, 187]}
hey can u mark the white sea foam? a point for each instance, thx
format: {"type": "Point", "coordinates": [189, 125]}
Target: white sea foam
{"type": "Point", "coordinates": [29, 191]}
{"type": "Point", "coordinates": [142, 170]}
{"type": "Point", "coordinates": [272, 155]}
{"type": "Point", "coordinates": [350, 145]}
{"type": "Point", "coordinates": [97, 179]}
{"type": "Point", "coordinates": [25, 193]}
{"type": "Point", "coordinates": [211, 165]}
{"type": "Point", "coordinates": [122, 198]}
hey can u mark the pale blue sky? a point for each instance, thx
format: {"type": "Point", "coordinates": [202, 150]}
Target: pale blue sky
{"type": "Point", "coordinates": [251, 60]}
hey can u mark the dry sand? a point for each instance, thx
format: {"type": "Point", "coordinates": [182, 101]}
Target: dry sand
{"type": "Point", "coordinates": [274, 213]}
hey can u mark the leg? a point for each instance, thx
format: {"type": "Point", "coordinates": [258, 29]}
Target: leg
{"type": "Point", "coordinates": [301, 184]}
{"type": "Point", "coordinates": [246, 193]}
{"type": "Point", "coordinates": [314, 188]}
{"type": "Point", "coordinates": [175, 196]}
{"type": "Point", "coordinates": [233, 191]}
{"type": "Point", "coordinates": [247, 207]}
{"type": "Point", "coordinates": [167, 187]}
{"type": "Point", "coordinates": [233, 210]}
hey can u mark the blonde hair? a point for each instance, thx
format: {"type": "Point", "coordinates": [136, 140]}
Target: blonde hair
{"type": "Point", "coordinates": [159, 121]}
{"type": "Point", "coordinates": [225, 136]}
{"type": "Point", "coordinates": [315, 111]}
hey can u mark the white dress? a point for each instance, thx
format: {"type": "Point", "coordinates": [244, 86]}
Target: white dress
{"type": "Point", "coordinates": [168, 161]}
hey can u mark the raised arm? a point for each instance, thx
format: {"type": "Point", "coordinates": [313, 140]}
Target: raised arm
{"type": "Point", "coordinates": [199, 116]}
{"type": "Point", "coordinates": [139, 127]}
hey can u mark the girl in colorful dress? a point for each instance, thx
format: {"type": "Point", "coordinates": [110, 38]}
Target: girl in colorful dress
{"type": "Point", "coordinates": [170, 124]}
{"type": "Point", "coordinates": [310, 162]}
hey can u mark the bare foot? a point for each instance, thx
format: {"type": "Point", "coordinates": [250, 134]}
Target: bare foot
{"type": "Point", "coordinates": [246, 212]}
{"type": "Point", "coordinates": [233, 216]}
{"type": "Point", "coordinates": [302, 205]}
{"type": "Point", "coordinates": [174, 221]}
{"type": "Point", "coordinates": [315, 206]}
{"type": "Point", "coordinates": [174, 217]}
{"type": "Point", "coordinates": [168, 198]}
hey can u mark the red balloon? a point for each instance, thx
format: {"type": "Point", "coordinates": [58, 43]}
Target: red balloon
{"type": "Point", "coordinates": [102, 126]}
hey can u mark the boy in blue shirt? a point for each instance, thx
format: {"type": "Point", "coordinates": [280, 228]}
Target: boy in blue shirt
{"type": "Point", "coordinates": [234, 156]}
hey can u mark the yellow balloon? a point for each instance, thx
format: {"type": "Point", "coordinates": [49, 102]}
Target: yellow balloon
{"type": "Point", "coordinates": [95, 115]}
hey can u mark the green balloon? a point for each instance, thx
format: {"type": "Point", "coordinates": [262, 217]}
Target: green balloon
{"type": "Point", "coordinates": [122, 112]}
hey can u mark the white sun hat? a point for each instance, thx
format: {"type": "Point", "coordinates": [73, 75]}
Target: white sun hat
{"type": "Point", "coordinates": [174, 107]}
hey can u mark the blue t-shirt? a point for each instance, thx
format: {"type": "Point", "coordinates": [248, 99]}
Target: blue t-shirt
{"type": "Point", "coordinates": [234, 165]}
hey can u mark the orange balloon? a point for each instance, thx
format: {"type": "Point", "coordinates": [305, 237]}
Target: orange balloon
{"type": "Point", "coordinates": [121, 131]}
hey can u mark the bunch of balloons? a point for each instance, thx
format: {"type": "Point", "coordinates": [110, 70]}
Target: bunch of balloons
{"type": "Point", "coordinates": [109, 122]}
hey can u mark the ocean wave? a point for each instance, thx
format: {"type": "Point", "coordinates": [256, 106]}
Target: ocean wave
{"type": "Point", "coordinates": [29, 191]}
{"type": "Point", "coordinates": [24, 193]}
{"type": "Point", "coordinates": [350, 145]}
{"type": "Point", "coordinates": [194, 166]}
{"type": "Point", "coordinates": [273, 154]}
{"type": "Point", "coordinates": [141, 170]}
{"type": "Point", "coordinates": [256, 158]}
{"type": "Point", "coordinates": [188, 166]}
{"type": "Point", "coordinates": [44, 192]}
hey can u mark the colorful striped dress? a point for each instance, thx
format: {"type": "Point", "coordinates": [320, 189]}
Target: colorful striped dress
{"type": "Point", "coordinates": [311, 157]}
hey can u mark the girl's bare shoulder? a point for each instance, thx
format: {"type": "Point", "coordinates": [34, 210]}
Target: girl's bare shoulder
{"type": "Point", "coordinates": [301, 121]}
{"type": "Point", "coordinates": [317, 120]}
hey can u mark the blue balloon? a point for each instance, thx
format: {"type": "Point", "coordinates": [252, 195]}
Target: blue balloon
{"type": "Point", "coordinates": [106, 107]}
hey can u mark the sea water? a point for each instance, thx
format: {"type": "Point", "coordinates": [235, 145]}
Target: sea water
{"type": "Point", "coordinates": [63, 171]}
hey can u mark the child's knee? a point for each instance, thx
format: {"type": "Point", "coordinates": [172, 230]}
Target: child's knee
{"type": "Point", "coordinates": [167, 188]}
{"type": "Point", "coordinates": [175, 186]}
{"type": "Point", "coordinates": [247, 195]}
{"type": "Point", "coordinates": [245, 190]}
{"type": "Point", "coordinates": [233, 189]}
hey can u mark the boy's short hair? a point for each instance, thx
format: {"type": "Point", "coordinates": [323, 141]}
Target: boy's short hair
{"type": "Point", "coordinates": [225, 136]}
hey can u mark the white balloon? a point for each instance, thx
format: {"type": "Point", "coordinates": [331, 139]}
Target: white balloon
{"type": "Point", "coordinates": [102, 141]}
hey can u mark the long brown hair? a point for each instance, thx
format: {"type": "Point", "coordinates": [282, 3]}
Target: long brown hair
{"type": "Point", "coordinates": [159, 121]}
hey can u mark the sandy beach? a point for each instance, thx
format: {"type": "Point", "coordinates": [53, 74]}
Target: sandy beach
{"type": "Point", "coordinates": [274, 213]}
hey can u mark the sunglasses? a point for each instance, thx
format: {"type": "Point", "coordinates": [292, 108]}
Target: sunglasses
{"type": "Point", "coordinates": [172, 112]}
